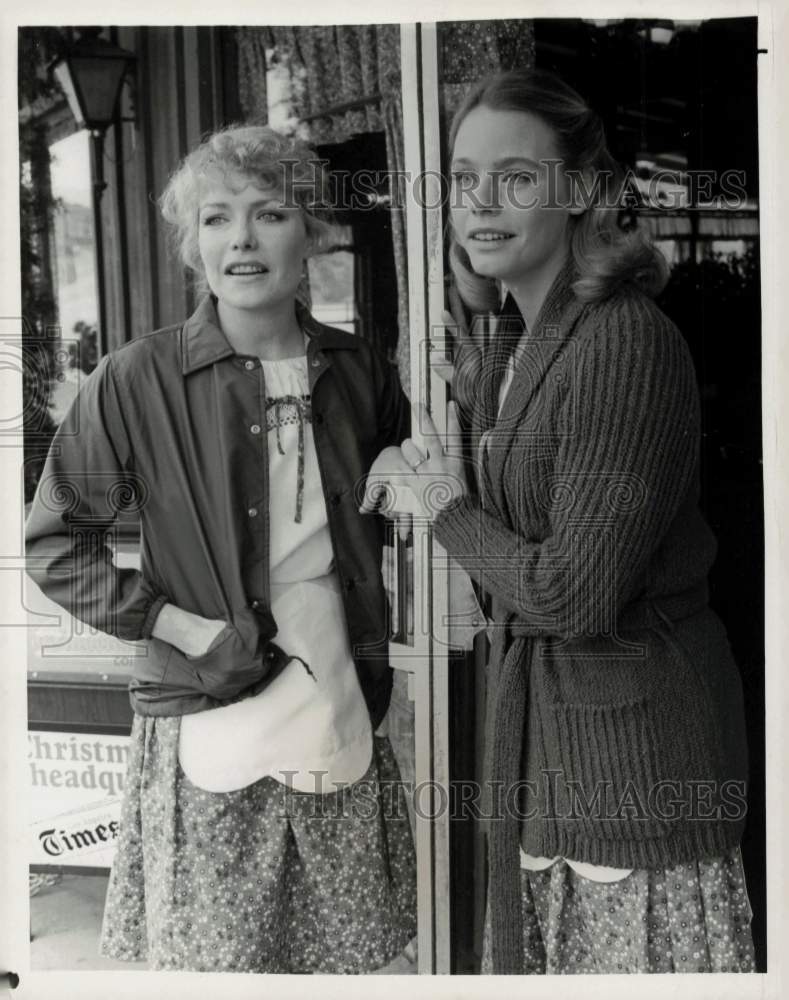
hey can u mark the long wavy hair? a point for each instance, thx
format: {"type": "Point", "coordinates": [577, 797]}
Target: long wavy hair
{"type": "Point", "coordinates": [606, 255]}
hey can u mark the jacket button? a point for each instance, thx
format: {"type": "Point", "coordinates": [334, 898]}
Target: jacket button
{"type": "Point", "coordinates": [335, 499]}
{"type": "Point", "coordinates": [316, 362]}
{"type": "Point", "coordinates": [255, 605]}
{"type": "Point", "coordinates": [270, 655]}
{"type": "Point", "coordinates": [253, 512]}
{"type": "Point", "coordinates": [249, 365]}
{"type": "Point", "coordinates": [317, 418]}
{"type": "Point", "coordinates": [350, 584]}
{"type": "Point", "coordinates": [255, 428]}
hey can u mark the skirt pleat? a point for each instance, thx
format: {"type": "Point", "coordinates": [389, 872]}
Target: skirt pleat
{"type": "Point", "coordinates": [260, 879]}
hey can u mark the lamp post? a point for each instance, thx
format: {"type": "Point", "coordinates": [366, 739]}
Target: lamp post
{"type": "Point", "coordinates": [91, 74]}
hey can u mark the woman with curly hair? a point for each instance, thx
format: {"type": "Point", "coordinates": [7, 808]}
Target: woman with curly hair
{"type": "Point", "coordinates": [255, 833]}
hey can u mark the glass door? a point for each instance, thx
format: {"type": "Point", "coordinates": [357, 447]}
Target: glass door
{"type": "Point", "coordinates": [423, 656]}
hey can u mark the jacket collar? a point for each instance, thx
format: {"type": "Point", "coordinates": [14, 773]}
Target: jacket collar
{"type": "Point", "coordinates": [322, 336]}
{"type": "Point", "coordinates": [203, 342]}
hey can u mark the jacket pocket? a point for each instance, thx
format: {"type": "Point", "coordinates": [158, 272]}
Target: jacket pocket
{"type": "Point", "coordinates": [612, 780]}
{"type": "Point", "coordinates": [234, 663]}
{"type": "Point", "coordinates": [224, 636]}
{"type": "Point", "coordinates": [152, 667]}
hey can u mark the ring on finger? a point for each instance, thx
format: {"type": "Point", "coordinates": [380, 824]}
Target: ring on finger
{"type": "Point", "coordinates": [420, 462]}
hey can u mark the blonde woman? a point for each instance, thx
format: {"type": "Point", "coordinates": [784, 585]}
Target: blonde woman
{"type": "Point", "coordinates": [255, 833]}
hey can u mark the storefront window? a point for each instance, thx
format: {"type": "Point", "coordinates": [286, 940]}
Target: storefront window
{"type": "Point", "coordinates": [74, 267]}
{"type": "Point", "coordinates": [333, 285]}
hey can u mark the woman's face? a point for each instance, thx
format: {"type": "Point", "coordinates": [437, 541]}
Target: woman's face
{"type": "Point", "coordinates": [252, 244]}
{"type": "Point", "coordinates": [510, 207]}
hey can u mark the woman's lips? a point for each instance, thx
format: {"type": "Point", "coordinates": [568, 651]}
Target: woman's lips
{"type": "Point", "coordinates": [489, 237]}
{"type": "Point", "coordinates": [245, 270]}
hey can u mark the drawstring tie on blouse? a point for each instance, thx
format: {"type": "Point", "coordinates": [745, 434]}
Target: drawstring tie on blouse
{"type": "Point", "coordinates": [302, 406]}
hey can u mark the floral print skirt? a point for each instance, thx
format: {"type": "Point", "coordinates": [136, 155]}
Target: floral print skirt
{"type": "Point", "coordinates": [691, 917]}
{"type": "Point", "coordinates": [261, 879]}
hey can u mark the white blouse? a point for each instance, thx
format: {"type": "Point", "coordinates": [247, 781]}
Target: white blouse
{"type": "Point", "coordinates": [309, 727]}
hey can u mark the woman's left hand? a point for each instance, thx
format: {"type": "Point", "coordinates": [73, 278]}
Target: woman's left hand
{"type": "Point", "coordinates": [434, 475]}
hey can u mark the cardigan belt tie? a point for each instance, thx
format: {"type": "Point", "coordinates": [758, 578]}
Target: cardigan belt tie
{"type": "Point", "coordinates": [503, 771]}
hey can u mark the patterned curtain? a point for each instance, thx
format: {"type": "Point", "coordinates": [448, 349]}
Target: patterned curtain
{"type": "Point", "coordinates": [470, 50]}
{"type": "Point", "coordinates": [389, 83]}
{"type": "Point", "coordinates": [322, 68]}
{"type": "Point", "coordinates": [251, 44]}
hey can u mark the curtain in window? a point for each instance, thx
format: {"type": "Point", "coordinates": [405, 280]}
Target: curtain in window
{"type": "Point", "coordinates": [470, 50]}
{"type": "Point", "coordinates": [290, 75]}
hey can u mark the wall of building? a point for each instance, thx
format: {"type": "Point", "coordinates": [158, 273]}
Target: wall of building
{"type": "Point", "coordinates": [183, 88]}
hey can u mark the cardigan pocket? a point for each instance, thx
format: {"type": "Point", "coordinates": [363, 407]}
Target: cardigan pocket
{"type": "Point", "coordinates": [609, 786]}
{"type": "Point", "coordinates": [709, 761]}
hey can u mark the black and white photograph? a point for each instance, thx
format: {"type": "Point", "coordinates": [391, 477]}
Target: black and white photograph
{"type": "Point", "coordinates": [394, 577]}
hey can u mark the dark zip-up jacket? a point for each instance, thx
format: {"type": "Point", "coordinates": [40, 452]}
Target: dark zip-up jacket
{"type": "Point", "coordinates": [173, 425]}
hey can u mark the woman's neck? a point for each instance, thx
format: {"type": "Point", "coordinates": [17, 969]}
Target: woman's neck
{"type": "Point", "coordinates": [271, 335]}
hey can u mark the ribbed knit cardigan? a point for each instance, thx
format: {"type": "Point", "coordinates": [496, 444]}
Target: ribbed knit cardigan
{"type": "Point", "coordinates": [615, 730]}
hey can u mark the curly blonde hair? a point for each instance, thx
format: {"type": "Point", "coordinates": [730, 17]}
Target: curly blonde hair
{"type": "Point", "coordinates": [261, 155]}
{"type": "Point", "coordinates": [606, 255]}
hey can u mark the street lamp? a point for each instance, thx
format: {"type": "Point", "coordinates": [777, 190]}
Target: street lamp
{"type": "Point", "coordinates": [661, 32]}
{"type": "Point", "coordinates": [91, 74]}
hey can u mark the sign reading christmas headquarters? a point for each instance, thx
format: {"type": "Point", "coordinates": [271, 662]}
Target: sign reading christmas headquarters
{"type": "Point", "coordinates": [76, 784]}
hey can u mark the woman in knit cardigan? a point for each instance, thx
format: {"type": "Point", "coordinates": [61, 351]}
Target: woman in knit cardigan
{"type": "Point", "coordinates": [616, 754]}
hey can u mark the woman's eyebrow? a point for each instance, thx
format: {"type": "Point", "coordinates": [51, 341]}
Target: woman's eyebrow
{"type": "Point", "coordinates": [261, 203]}
{"type": "Point", "coordinates": [508, 161]}
{"type": "Point", "coordinates": [505, 161]}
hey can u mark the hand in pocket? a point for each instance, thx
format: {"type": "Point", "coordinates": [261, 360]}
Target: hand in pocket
{"type": "Point", "coordinates": [221, 632]}
{"type": "Point", "coordinates": [234, 660]}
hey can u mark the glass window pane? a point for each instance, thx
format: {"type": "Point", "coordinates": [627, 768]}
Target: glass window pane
{"type": "Point", "coordinates": [74, 266]}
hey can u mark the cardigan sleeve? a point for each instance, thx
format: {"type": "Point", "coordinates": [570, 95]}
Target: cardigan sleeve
{"type": "Point", "coordinates": [620, 477]}
{"type": "Point", "coordinates": [86, 480]}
